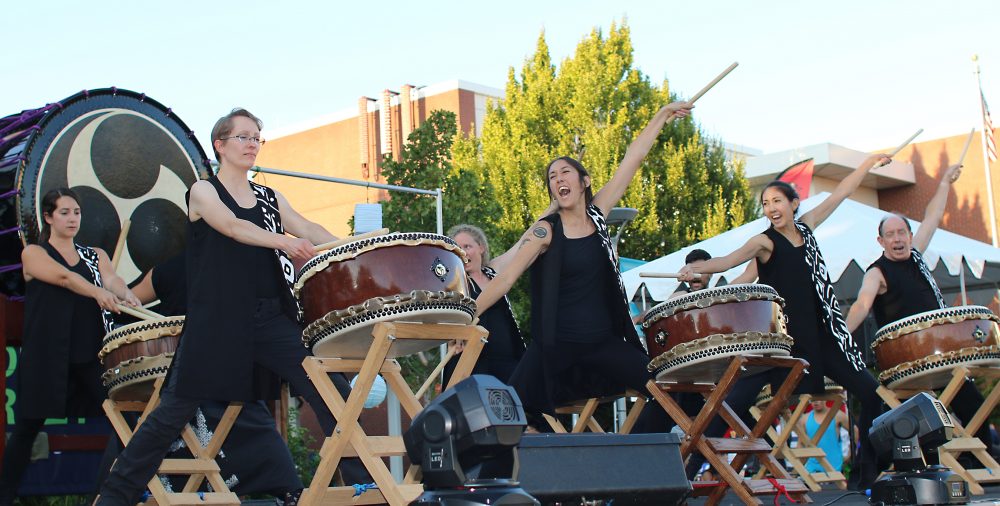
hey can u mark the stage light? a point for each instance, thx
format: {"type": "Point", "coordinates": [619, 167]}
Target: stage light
{"type": "Point", "coordinates": [464, 443]}
{"type": "Point", "coordinates": [911, 434]}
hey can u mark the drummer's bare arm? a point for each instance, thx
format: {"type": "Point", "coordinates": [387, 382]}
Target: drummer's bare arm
{"type": "Point", "coordinates": [749, 274]}
{"type": "Point", "coordinates": [205, 204]}
{"type": "Point", "coordinates": [872, 285]}
{"type": "Point", "coordinates": [37, 264]}
{"type": "Point", "coordinates": [113, 282]}
{"type": "Point", "coordinates": [500, 263]}
{"type": "Point", "coordinates": [299, 226]}
{"type": "Point", "coordinates": [615, 188]}
{"type": "Point", "coordinates": [759, 246]}
{"type": "Point", "coordinates": [533, 244]}
{"type": "Point", "coordinates": [844, 189]}
{"type": "Point", "coordinates": [935, 208]}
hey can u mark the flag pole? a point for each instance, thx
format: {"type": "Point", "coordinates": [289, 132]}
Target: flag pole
{"type": "Point", "coordinates": [986, 158]}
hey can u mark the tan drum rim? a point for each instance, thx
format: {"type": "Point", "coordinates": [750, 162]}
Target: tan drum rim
{"type": "Point", "coordinates": [112, 380]}
{"type": "Point", "coordinates": [140, 331]}
{"type": "Point", "coordinates": [711, 297]}
{"type": "Point", "coordinates": [903, 370]}
{"type": "Point", "coordinates": [380, 307]}
{"type": "Point", "coordinates": [667, 358]}
{"type": "Point", "coordinates": [930, 319]}
{"type": "Point", "coordinates": [356, 248]}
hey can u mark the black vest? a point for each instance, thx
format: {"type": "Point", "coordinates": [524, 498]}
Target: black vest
{"type": "Point", "coordinates": [907, 291]}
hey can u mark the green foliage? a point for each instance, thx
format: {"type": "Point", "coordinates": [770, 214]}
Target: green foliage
{"type": "Point", "coordinates": [305, 459]}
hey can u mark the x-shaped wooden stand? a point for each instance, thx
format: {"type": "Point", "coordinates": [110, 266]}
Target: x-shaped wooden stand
{"type": "Point", "coordinates": [585, 410]}
{"type": "Point", "coordinates": [202, 466]}
{"type": "Point", "coordinates": [808, 446]}
{"type": "Point", "coordinates": [748, 442]}
{"type": "Point", "coordinates": [965, 439]}
{"type": "Point", "coordinates": [349, 439]}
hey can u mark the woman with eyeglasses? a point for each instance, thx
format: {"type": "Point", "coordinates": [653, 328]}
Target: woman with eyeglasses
{"type": "Point", "coordinates": [241, 311]}
{"type": "Point", "coordinates": [70, 291]}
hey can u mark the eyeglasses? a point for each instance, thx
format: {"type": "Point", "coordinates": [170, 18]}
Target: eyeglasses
{"type": "Point", "coordinates": [244, 139]}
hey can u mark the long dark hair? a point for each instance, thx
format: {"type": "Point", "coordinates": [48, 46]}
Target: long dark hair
{"type": "Point", "coordinates": [786, 189]}
{"type": "Point", "coordinates": [49, 207]}
{"type": "Point", "coordinates": [588, 192]}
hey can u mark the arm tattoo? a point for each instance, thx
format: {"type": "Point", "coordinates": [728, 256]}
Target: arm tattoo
{"type": "Point", "coordinates": [540, 232]}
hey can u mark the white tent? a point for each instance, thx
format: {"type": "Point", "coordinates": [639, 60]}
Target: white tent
{"type": "Point", "coordinates": [847, 240]}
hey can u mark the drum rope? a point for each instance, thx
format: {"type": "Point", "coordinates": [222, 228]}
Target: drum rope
{"type": "Point", "coordinates": [11, 267]}
{"type": "Point", "coordinates": [10, 193]}
{"type": "Point", "coordinates": [9, 230]}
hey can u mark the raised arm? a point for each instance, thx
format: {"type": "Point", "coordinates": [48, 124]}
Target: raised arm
{"type": "Point", "coordinates": [37, 264]}
{"type": "Point", "coordinates": [500, 263]}
{"type": "Point", "coordinates": [205, 204]}
{"type": "Point", "coordinates": [759, 246]}
{"type": "Point", "coordinates": [297, 225]}
{"type": "Point", "coordinates": [112, 281]}
{"type": "Point", "coordinates": [872, 285]}
{"type": "Point", "coordinates": [534, 243]}
{"type": "Point", "coordinates": [935, 208]}
{"type": "Point", "coordinates": [820, 213]}
{"type": "Point", "coordinates": [612, 192]}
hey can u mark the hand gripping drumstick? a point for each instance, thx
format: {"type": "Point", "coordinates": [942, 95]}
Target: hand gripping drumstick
{"type": "Point", "coordinates": [659, 274]}
{"type": "Point", "coordinates": [713, 83]}
{"type": "Point", "coordinates": [966, 148]}
{"type": "Point", "coordinates": [437, 372]}
{"type": "Point", "coordinates": [341, 242]}
{"type": "Point", "coordinates": [121, 244]}
{"type": "Point", "coordinates": [900, 148]}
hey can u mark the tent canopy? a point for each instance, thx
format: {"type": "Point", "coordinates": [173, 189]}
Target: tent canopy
{"type": "Point", "coordinates": [847, 240]}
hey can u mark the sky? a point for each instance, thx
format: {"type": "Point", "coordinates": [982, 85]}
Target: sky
{"type": "Point", "coordinates": [863, 74]}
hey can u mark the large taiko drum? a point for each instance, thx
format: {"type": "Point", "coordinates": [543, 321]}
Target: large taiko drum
{"type": "Point", "coordinates": [136, 354]}
{"type": "Point", "coordinates": [125, 155]}
{"type": "Point", "coordinates": [690, 337]}
{"type": "Point", "coordinates": [410, 276]}
{"type": "Point", "coordinates": [920, 351]}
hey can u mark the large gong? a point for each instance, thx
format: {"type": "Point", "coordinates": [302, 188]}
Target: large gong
{"type": "Point", "coordinates": [126, 156]}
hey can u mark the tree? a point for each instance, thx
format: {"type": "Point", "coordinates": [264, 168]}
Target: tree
{"type": "Point", "coordinates": [591, 108]}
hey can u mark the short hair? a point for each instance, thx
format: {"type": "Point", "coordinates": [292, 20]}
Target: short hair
{"type": "Point", "coordinates": [477, 235]}
{"type": "Point", "coordinates": [890, 215]}
{"type": "Point", "coordinates": [224, 126]}
{"type": "Point", "coordinates": [696, 255]}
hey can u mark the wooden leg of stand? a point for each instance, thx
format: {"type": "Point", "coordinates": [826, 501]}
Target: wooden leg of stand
{"type": "Point", "coordinates": [633, 415]}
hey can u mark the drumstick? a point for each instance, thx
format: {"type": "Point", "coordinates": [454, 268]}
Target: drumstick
{"type": "Point", "coordinates": [437, 372]}
{"type": "Point", "coordinates": [713, 83]}
{"type": "Point", "coordinates": [341, 242]}
{"type": "Point", "coordinates": [136, 313]}
{"type": "Point", "coordinates": [659, 274]}
{"type": "Point", "coordinates": [966, 148]}
{"type": "Point", "coordinates": [121, 244]}
{"type": "Point", "coordinates": [905, 143]}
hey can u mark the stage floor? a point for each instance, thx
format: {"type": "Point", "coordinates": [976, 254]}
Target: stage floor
{"type": "Point", "coordinates": [828, 494]}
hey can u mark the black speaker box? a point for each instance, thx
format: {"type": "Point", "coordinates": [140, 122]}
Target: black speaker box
{"type": "Point", "coordinates": [628, 469]}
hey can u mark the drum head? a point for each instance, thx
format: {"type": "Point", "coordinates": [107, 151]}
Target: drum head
{"type": "Point", "coordinates": [705, 360]}
{"type": "Point", "coordinates": [126, 156]}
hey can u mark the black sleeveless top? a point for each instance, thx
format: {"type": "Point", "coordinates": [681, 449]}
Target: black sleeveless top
{"type": "Point", "coordinates": [61, 328]}
{"type": "Point", "coordinates": [789, 274]}
{"type": "Point", "coordinates": [584, 311]}
{"type": "Point", "coordinates": [907, 291]}
{"type": "Point", "coordinates": [170, 284]}
{"type": "Point", "coordinates": [505, 339]}
{"type": "Point", "coordinates": [224, 280]}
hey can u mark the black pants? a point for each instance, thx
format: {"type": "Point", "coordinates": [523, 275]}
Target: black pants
{"type": "Point", "coordinates": [860, 384]}
{"type": "Point", "coordinates": [17, 454]}
{"type": "Point", "coordinates": [278, 347]}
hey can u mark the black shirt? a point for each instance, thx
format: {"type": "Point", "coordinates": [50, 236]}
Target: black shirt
{"type": "Point", "coordinates": [907, 291]}
{"type": "Point", "coordinates": [584, 313]}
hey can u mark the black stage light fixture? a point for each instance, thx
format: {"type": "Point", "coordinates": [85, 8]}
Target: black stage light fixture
{"type": "Point", "coordinates": [464, 443]}
{"type": "Point", "coordinates": [911, 434]}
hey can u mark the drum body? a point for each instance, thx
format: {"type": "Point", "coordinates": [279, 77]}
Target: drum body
{"type": "Point", "coordinates": [136, 354]}
{"type": "Point", "coordinates": [125, 155]}
{"type": "Point", "coordinates": [920, 351]}
{"type": "Point", "coordinates": [411, 276]}
{"type": "Point", "coordinates": [690, 337]}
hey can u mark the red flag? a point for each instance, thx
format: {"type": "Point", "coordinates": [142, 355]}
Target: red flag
{"type": "Point", "coordinates": [799, 176]}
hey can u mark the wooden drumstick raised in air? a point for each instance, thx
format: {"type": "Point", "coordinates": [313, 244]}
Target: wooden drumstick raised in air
{"type": "Point", "coordinates": [966, 148]}
{"type": "Point", "coordinates": [120, 246]}
{"type": "Point", "coordinates": [898, 149]}
{"type": "Point", "coordinates": [341, 242]}
{"type": "Point", "coordinates": [659, 274]}
{"type": "Point", "coordinates": [713, 83]}
{"type": "Point", "coordinates": [435, 373]}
